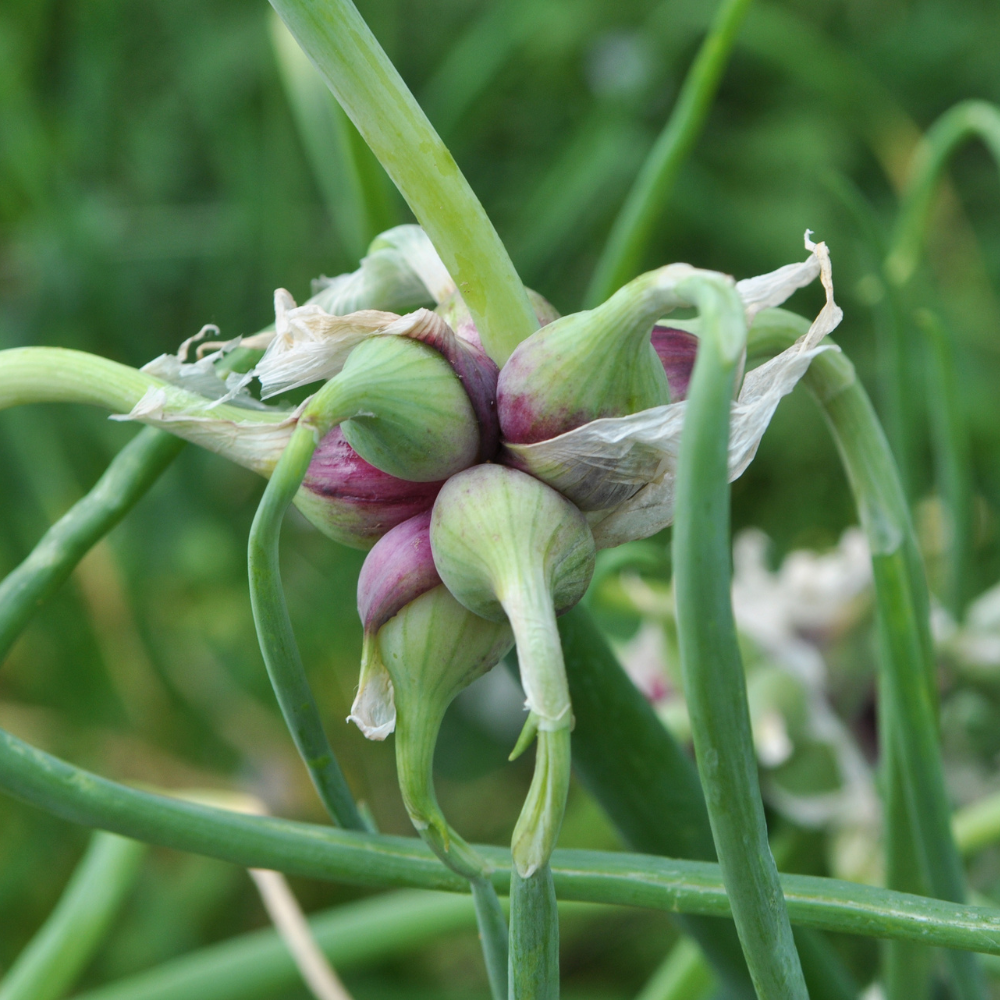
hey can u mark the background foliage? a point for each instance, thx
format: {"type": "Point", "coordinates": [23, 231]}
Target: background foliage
{"type": "Point", "coordinates": [152, 180]}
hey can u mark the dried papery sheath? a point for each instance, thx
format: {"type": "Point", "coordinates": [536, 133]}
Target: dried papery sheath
{"type": "Point", "coordinates": [310, 344]}
{"type": "Point", "coordinates": [397, 570]}
{"type": "Point", "coordinates": [255, 442]}
{"type": "Point", "coordinates": [402, 407]}
{"type": "Point", "coordinates": [622, 469]}
{"type": "Point", "coordinates": [400, 271]}
{"type": "Point", "coordinates": [508, 547]}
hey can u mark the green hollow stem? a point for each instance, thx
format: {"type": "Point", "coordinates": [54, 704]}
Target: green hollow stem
{"type": "Point", "coordinates": [371, 91]}
{"type": "Point", "coordinates": [128, 477]}
{"type": "Point", "coordinates": [258, 965]}
{"type": "Point", "coordinates": [906, 967]}
{"type": "Point", "coordinates": [274, 627]}
{"type": "Point", "coordinates": [908, 697]}
{"type": "Point", "coordinates": [76, 928]}
{"type": "Point", "coordinates": [61, 375]}
{"type": "Point", "coordinates": [332, 854]}
{"type": "Point", "coordinates": [630, 234]}
{"type": "Point", "coordinates": [533, 971]}
{"type": "Point", "coordinates": [648, 786]}
{"type": "Point", "coordinates": [415, 742]}
{"type": "Point", "coordinates": [714, 680]}
{"type": "Point", "coordinates": [952, 461]}
{"type": "Point", "coordinates": [966, 120]}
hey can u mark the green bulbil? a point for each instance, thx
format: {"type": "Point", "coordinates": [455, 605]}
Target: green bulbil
{"type": "Point", "coordinates": [509, 547]}
{"type": "Point", "coordinates": [433, 649]}
{"type": "Point", "coordinates": [405, 411]}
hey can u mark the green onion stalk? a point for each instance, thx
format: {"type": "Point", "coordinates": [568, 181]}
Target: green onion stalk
{"type": "Point", "coordinates": [370, 90]}
{"type": "Point", "coordinates": [714, 680]}
{"type": "Point", "coordinates": [128, 477]}
{"type": "Point", "coordinates": [380, 861]}
{"type": "Point", "coordinates": [908, 702]}
{"type": "Point", "coordinates": [274, 627]}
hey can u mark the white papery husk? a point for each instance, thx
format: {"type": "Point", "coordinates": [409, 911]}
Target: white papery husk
{"type": "Point", "coordinates": [401, 270]}
{"type": "Point", "coordinates": [191, 406]}
{"type": "Point", "coordinates": [311, 342]}
{"type": "Point", "coordinates": [638, 453]}
{"type": "Point", "coordinates": [255, 444]}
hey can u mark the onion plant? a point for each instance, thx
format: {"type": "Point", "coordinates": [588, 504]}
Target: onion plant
{"type": "Point", "coordinates": [487, 453]}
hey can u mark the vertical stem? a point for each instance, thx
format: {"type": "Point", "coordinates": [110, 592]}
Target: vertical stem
{"type": "Point", "coordinates": [633, 227]}
{"type": "Point", "coordinates": [908, 694]}
{"type": "Point", "coordinates": [534, 936]}
{"type": "Point", "coordinates": [131, 473]}
{"type": "Point", "coordinates": [337, 40]}
{"type": "Point", "coordinates": [274, 627]}
{"type": "Point", "coordinates": [66, 942]}
{"type": "Point", "coordinates": [906, 967]}
{"type": "Point", "coordinates": [714, 681]}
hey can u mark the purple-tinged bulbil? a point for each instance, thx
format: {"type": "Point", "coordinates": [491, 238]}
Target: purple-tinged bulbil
{"type": "Point", "coordinates": [351, 501]}
{"type": "Point", "coordinates": [677, 350]}
{"type": "Point", "coordinates": [399, 569]}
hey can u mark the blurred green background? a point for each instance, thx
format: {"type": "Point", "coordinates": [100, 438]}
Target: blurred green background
{"type": "Point", "coordinates": [152, 179]}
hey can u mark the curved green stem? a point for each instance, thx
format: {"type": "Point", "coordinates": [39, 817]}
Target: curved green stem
{"type": "Point", "coordinates": [60, 375]}
{"type": "Point", "coordinates": [328, 853]}
{"type": "Point", "coordinates": [274, 627]}
{"type": "Point", "coordinates": [908, 703]}
{"type": "Point", "coordinates": [75, 929]}
{"type": "Point", "coordinates": [630, 234]}
{"type": "Point", "coordinates": [416, 739]}
{"type": "Point", "coordinates": [967, 120]}
{"type": "Point", "coordinates": [357, 70]}
{"type": "Point", "coordinates": [534, 920]}
{"type": "Point", "coordinates": [128, 477]}
{"type": "Point", "coordinates": [714, 681]}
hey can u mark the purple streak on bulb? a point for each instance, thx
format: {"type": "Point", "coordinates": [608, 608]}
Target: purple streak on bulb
{"type": "Point", "coordinates": [353, 501]}
{"type": "Point", "coordinates": [677, 350]}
